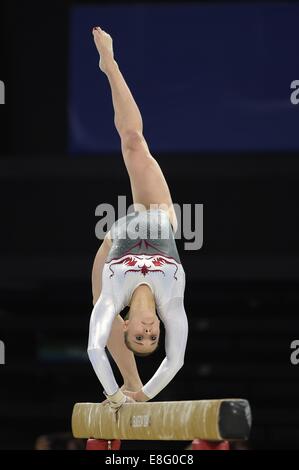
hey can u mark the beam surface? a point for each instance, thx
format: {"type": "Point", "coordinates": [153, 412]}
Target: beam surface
{"type": "Point", "coordinates": [216, 420]}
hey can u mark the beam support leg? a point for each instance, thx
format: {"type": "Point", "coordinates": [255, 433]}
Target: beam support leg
{"type": "Point", "coordinates": [103, 444]}
{"type": "Point", "coordinates": [199, 444]}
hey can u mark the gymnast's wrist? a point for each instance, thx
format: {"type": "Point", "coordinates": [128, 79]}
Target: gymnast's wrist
{"type": "Point", "coordinates": [117, 398]}
{"type": "Point", "coordinates": [141, 396]}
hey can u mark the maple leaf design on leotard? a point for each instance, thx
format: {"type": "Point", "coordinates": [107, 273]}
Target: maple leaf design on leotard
{"type": "Point", "coordinates": [144, 268]}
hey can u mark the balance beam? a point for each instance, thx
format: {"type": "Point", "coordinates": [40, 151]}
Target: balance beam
{"type": "Point", "coordinates": [215, 420]}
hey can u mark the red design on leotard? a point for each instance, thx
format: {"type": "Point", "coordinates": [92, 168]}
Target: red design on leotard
{"type": "Point", "coordinates": [144, 269]}
{"type": "Point", "coordinates": [159, 261]}
{"type": "Point", "coordinates": [129, 260]}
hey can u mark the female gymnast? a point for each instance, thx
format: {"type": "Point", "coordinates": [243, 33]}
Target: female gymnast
{"type": "Point", "coordinates": [137, 264]}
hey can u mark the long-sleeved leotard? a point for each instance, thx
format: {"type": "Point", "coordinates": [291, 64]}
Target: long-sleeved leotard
{"type": "Point", "coordinates": [149, 258]}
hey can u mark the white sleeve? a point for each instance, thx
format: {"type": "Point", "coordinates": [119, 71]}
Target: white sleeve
{"type": "Point", "coordinates": [101, 320]}
{"type": "Point", "coordinates": [176, 334]}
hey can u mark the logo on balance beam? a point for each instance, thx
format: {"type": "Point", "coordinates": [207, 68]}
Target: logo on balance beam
{"type": "Point", "coordinates": [140, 421]}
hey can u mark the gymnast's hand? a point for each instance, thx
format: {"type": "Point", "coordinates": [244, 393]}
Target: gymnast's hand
{"type": "Point", "coordinates": [116, 400]}
{"type": "Point", "coordinates": [104, 45]}
{"type": "Point", "coordinates": [136, 396]}
{"type": "Point", "coordinates": [125, 388]}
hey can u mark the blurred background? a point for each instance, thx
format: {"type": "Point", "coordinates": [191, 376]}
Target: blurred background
{"type": "Point", "coordinates": [213, 85]}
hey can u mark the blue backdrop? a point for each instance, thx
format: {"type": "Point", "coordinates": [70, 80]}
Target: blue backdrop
{"type": "Point", "coordinates": [206, 77]}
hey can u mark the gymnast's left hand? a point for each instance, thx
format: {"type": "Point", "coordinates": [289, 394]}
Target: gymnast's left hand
{"type": "Point", "coordinates": [136, 396]}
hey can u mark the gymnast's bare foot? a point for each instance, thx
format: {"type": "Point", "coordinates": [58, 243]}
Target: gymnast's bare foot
{"type": "Point", "coordinates": [104, 44]}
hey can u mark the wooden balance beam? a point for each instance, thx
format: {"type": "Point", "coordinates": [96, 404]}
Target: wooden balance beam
{"type": "Point", "coordinates": [214, 420]}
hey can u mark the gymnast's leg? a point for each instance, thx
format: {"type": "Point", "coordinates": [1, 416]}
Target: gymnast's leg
{"type": "Point", "coordinates": [148, 184]}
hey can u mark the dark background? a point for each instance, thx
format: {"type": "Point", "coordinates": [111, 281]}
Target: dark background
{"type": "Point", "coordinates": [242, 286]}
{"type": "Point", "coordinates": [197, 70]}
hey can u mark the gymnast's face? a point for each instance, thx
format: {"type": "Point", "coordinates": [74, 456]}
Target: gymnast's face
{"type": "Point", "coordinates": [142, 332]}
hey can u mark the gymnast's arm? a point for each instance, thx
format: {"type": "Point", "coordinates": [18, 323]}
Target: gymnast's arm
{"type": "Point", "coordinates": [101, 320]}
{"type": "Point", "coordinates": [123, 357]}
{"type": "Point", "coordinates": [176, 334]}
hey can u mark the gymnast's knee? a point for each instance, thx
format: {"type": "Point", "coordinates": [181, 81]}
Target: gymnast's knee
{"type": "Point", "coordinates": [135, 149]}
{"type": "Point", "coordinates": [132, 140]}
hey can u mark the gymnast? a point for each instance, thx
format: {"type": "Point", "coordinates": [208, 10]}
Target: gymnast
{"type": "Point", "coordinates": [137, 265]}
